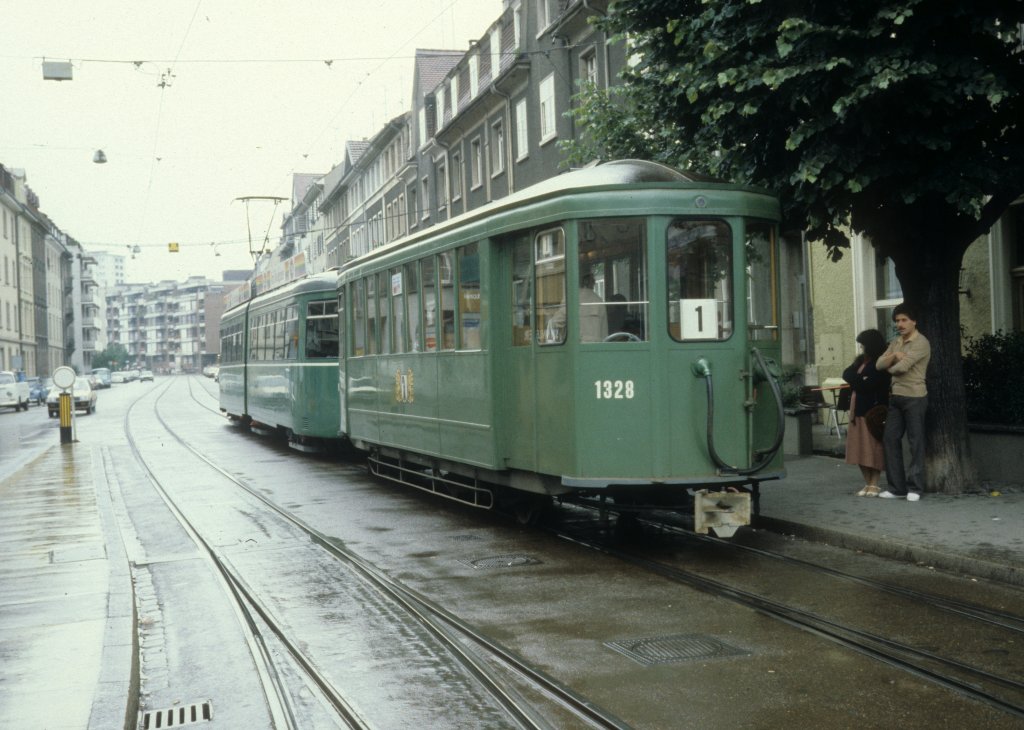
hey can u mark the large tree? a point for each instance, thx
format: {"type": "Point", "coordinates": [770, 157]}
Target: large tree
{"type": "Point", "coordinates": [900, 120]}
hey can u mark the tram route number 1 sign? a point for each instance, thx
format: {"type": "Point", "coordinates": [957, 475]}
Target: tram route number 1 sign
{"type": "Point", "coordinates": [698, 319]}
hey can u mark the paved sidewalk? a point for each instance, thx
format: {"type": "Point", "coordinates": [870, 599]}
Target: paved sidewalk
{"type": "Point", "coordinates": [979, 534]}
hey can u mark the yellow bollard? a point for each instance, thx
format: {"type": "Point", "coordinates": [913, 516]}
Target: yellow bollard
{"type": "Point", "coordinates": [65, 410]}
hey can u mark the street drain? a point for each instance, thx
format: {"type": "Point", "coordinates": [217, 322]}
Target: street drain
{"type": "Point", "coordinates": [501, 561]}
{"type": "Point", "coordinates": [678, 648]}
{"type": "Point", "coordinates": [177, 716]}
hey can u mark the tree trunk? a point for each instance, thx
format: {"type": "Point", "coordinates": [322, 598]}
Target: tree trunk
{"type": "Point", "coordinates": [930, 278]}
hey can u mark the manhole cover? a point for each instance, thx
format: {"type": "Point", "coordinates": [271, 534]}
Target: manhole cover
{"type": "Point", "coordinates": [501, 561]}
{"type": "Point", "coordinates": [678, 648]}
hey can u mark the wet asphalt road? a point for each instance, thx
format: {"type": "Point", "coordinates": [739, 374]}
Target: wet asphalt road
{"type": "Point", "coordinates": [572, 612]}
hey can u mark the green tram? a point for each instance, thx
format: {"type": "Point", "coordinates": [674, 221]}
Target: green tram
{"type": "Point", "coordinates": [279, 362]}
{"type": "Point", "coordinates": [609, 335]}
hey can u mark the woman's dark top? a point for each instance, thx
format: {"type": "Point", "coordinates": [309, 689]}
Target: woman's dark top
{"type": "Point", "coordinates": [871, 385]}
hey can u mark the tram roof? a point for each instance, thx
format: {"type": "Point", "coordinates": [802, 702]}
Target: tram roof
{"type": "Point", "coordinates": [325, 281]}
{"type": "Point", "coordinates": [604, 176]}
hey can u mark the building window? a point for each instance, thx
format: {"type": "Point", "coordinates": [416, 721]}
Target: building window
{"type": "Point", "coordinates": [423, 126]}
{"type": "Point", "coordinates": [495, 53]}
{"type": "Point", "coordinates": [475, 164]}
{"type": "Point", "coordinates": [474, 75]}
{"type": "Point", "coordinates": [441, 183]}
{"type": "Point", "coordinates": [413, 209]}
{"type": "Point", "coordinates": [497, 148]}
{"type": "Point", "coordinates": [453, 89]}
{"type": "Point", "coordinates": [425, 198]}
{"type": "Point", "coordinates": [440, 107]}
{"type": "Point", "coordinates": [588, 67]}
{"type": "Point", "coordinates": [522, 138]}
{"type": "Point", "coordinates": [456, 175]}
{"type": "Point", "coordinates": [543, 14]}
{"type": "Point", "coordinates": [517, 27]}
{"type": "Point", "coordinates": [546, 94]}
{"type": "Point", "coordinates": [888, 293]}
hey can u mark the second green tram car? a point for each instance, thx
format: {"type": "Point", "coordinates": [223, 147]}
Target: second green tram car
{"type": "Point", "coordinates": [610, 334]}
{"type": "Point", "coordinates": [279, 361]}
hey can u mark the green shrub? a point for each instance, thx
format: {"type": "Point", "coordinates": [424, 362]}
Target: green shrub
{"type": "Point", "coordinates": [994, 378]}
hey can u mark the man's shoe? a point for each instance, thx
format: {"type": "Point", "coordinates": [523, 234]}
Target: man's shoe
{"type": "Point", "coordinates": [913, 496]}
{"type": "Point", "coordinates": [889, 495]}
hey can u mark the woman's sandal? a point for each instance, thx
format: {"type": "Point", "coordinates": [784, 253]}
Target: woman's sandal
{"type": "Point", "coordinates": [871, 491]}
{"type": "Point", "coordinates": [863, 492]}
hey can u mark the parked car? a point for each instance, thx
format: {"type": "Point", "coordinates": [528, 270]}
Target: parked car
{"type": "Point", "coordinates": [119, 377]}
{"type": "Point", "coordinates": [103, 377]}
{"type": "Point", "coordinates": [83, 393]}
{"type": "Point", "coordinates": [211, 371]}
{"type": "Point", "coordinates": [37, 391]}
{"type": "Point", "coordinates": [14, 393]}
{"type": "Point", "coordinates": [145, 375]}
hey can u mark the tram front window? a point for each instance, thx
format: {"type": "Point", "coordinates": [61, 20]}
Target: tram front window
{"type": "Point", "coordinates": [699, 266]}
{"type": "Point", "coordinates": [613, 280]}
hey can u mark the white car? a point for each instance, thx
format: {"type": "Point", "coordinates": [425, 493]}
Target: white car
{"type": "Point", "coordinates": [83, 393]}
{"type": "Point", "coordinates": [13, 392]}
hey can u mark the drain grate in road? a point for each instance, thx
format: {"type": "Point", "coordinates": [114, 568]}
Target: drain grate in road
{"type": "Point", "coordinates": [677, 648]}
{"type": "Point", "coordinates": [177, 716]}
{"type": "Point", "coordinates": [501, 561]}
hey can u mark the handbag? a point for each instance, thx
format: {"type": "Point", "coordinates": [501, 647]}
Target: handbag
{"type": "Point", "coordinates": [875, 419]}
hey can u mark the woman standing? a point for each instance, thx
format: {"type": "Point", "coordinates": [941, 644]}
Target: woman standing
{"type": "Point", "coordinates": [870, 387]}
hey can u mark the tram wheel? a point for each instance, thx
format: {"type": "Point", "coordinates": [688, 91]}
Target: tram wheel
{"type": "Point", "coordinates": [531, 509]}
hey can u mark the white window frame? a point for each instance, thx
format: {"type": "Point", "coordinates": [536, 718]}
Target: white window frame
{"type": "Point", "coordinates": [474, 75]}
{"type": "Point", "coordinates": [546, 109]}
{"type": "Point", "coordinates": [440, 97]}
{"type": "Point", "coordinates": [441, 176]}
{"type": "Point", "coordinates": [476, 163]}
{"type": "Point", "coordinates": [456, 175]}
{"type": "Point", "coordinates": [517, 26]}
{"type": "Point", "coordinates": [453, 89]}
{"type": "Point", "coordinates": [495, 53]}
{"type": "Point", "coordinates": [522, 130]}
{"type": "Point", "coordinates": [497, 147]}
{"type": "Point", "coordinates": [423, 126]}
{"type": "Point", "coordinates": [425, 194]}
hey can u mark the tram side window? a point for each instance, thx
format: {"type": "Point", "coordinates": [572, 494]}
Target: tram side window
{"type": "Point", "coordinates": [359, 318]}
{"type": "Point", "coordinates": [469, 298]}
{"type": "Point", "coordinates": [429, 304]}
{"type": "Point", "coordinates": [384, 312]}
{"type": "Point", "coordinates": [549, 271]}
{"type": "Point", "coordinates": [322, 329]}
{"type": "Point", "coordinates": [522, 293]}
{"type": "Point", "coordinates": [613, 280]}
{"type": "Point", "coordinates": [291, 333]}
{"type": "Point", "coordinates": [372, 325]}
{"type": "Point", "coordinates": [762, 281]}
{"type": "Point", "coordinates": [412, 303]}
{"type": "Point", "coordinates": [447, 320]}
{"type": "Point", "coordinates": [401, 338]}
{"type": "Point", "coordinates": [279, 343]}
{"type": "Point", "coordinates": [699, 266]}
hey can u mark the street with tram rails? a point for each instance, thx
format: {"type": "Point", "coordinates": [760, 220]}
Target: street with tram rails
{"type": "Point", "coordinates": [170, 565]}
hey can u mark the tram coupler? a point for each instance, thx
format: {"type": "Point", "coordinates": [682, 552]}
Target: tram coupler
{"type": "Point", "coordinates": [720, 512]}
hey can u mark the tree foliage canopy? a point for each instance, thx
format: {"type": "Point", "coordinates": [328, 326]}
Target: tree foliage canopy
{"type": "Point", "coordinates": [875, 116]}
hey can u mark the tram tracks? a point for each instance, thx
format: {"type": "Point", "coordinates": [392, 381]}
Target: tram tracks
{"type": "Point", "coordinates": [526, 694]}
{"type": "Point", "coordinates": [1005, 693]}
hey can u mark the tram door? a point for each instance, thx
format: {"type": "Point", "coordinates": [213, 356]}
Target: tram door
{"type": "Point", "coordinates": [518, 390]}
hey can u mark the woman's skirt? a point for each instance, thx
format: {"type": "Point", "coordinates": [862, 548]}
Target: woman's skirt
{"type": "Point", "coordinates": [862, 448]}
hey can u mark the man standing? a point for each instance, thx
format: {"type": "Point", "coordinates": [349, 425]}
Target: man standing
{"type": "Point", "coordinates": [906, 359]}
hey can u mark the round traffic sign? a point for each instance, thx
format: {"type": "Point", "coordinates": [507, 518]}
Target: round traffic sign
{"type": "Point", "coordinates": [64, 377]}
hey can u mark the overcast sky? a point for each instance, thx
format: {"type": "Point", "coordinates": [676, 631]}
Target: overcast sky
{"type": "Point", "coordinates": [247, 100]}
